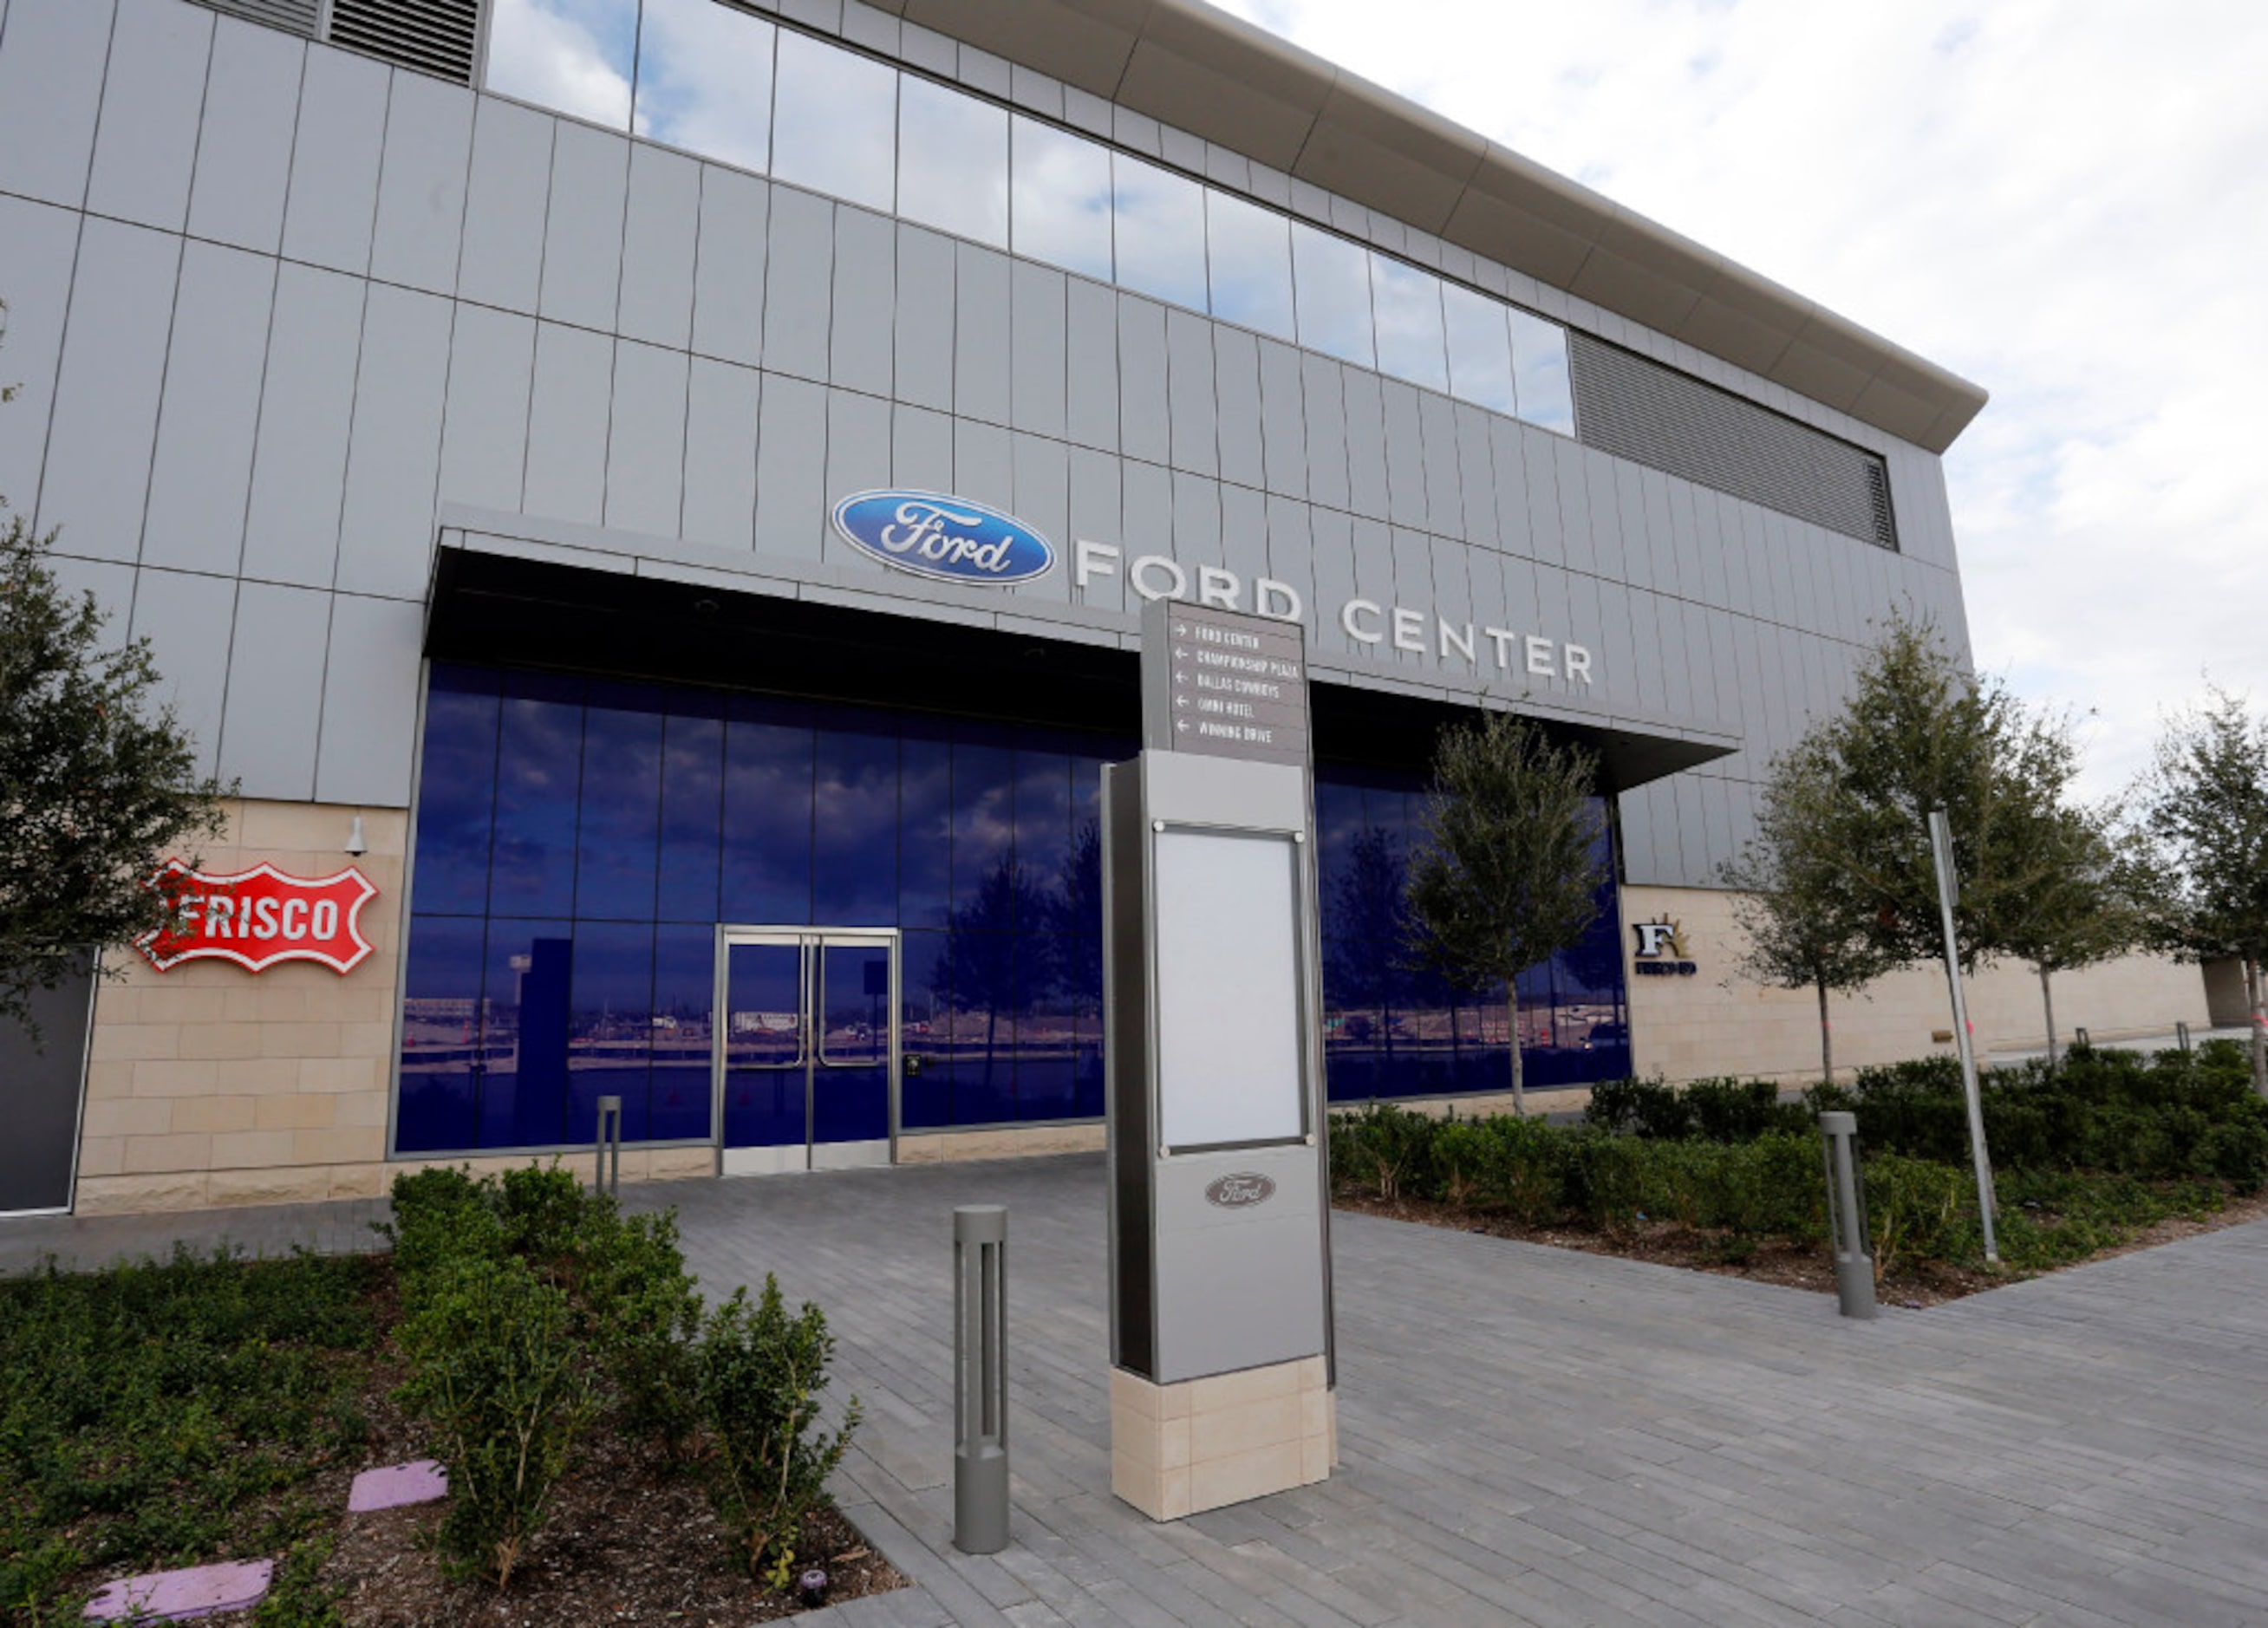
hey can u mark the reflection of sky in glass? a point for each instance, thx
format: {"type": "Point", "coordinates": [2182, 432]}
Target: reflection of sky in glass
{"type": "Point", "coordinates": [835, 121]}
{"type": "Point", "coordinates": [1062, 187]}
{"type": "Point", "coordinates": [1409, 304]}
{"type": "Point", "coordinates": [571, 55]}
{"type": "Point", "coordinates": [1333, 277]}
{"type": "Point", "coordinates": [1162, 233]}
{"type": "Point", "coordinates": [704, 80]}
{"type": "Point", "coordinates": [1480, 349]}
{"type": "Point", "coordinates": [1250, 253]}
{"type": "Point", "coordinates": [952, 161]}
{"type": "Point", "coordinates": [725, 85]}
{"type": "Point", "coordinates": [1539, 352]}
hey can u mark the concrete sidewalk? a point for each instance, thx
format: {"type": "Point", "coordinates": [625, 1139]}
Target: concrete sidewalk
{"type": "Point", "coordinates": [1533, 1435]}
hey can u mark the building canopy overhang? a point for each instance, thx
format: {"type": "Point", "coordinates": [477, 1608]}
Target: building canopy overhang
{"type": "Point", "coordinates": [603, 615]}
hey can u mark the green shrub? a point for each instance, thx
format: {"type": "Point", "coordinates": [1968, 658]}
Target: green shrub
{"type": "Point", "coordinates": [1919, 1209]}
{"type": "Point", "coordinates": [1519, 1165]}
{"type": "Point", "coordinates": [155, 1415]}
{"type": "Point", "coordinates": [298, 1597]}
{"type": "Point", "coordinates": [1646, 1107]}
{"type": "Point", "coordinates": [1389, 1150]}
{"type": "Point", "coordinates": [761, 1373]}
{"type": "Point", "coordinates": [1742, 1110]}
{"type": "Point", "coordinates": [508, 1389]}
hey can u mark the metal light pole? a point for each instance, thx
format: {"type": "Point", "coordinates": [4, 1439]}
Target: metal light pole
{"type": "Point", "coordinates": [1941, 843]}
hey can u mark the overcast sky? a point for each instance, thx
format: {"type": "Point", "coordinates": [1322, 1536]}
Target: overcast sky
{"type": "Point", "coordinates": [2067, 203]}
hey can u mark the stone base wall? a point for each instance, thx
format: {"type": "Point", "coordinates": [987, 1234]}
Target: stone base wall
{"type": "Point", "coordinates": [210, 1085]}
{"type": "Point", "coordinates": [1715, 1022]}
{"type": "Point", "coordinates": [1179, 1449]}
{"type": "Point", "coordinates": [1008, 1142]}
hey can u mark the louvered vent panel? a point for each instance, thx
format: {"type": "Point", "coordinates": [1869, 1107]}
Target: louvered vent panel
{"type": "Point", "coordinates": [432, 36]}
{"type": "Point", "coordinates": [295, 17]}
{"type": "Point", "coordinates": [1639, 409]}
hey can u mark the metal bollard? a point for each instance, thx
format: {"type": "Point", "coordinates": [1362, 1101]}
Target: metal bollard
{"type": "Point", "coordinates": [2078, 1038]}
{"type": "Point", "coordinates": [1846, 1215]}
{"type": "Point", "coordinates": [2182, 1037]}
{"type": "Point", "coordinates": [609, 1137]}
{"type": "Point", "coordinates": [980, 1378]}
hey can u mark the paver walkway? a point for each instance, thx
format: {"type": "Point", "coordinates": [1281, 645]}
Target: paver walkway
{"type": "Point", "coordinates": [1532, 1435]}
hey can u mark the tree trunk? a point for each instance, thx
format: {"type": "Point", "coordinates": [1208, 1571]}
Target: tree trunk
{"type": "Point", "coordinates": [2047, 1000]}
{"type": "Point", "coordinates": [1826, 1038]}
{"type": "Point", "coordinates": [1519, 1080]}
{"type": "Point", "coordinates": [2259, 1027]}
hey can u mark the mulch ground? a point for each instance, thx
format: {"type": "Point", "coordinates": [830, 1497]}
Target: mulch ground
{"type": "Point", "coordinates": [1795, 1266]}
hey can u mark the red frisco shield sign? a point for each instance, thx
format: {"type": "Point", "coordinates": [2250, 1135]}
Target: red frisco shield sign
{"type": "Point", "coordinates": [260, 916]}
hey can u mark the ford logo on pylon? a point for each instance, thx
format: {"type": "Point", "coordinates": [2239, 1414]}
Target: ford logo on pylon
{"type": "Point", "coordinates": [944, 538]}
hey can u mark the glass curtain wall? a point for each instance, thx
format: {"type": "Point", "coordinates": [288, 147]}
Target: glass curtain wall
{"type": "Point", "coordinates": [722, 84]}
{"type": "Point", "coordinates": [578, 841]}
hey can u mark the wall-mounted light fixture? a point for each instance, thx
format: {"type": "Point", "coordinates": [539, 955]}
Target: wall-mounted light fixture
{"type": "Point", "coordinates": [357, 844]}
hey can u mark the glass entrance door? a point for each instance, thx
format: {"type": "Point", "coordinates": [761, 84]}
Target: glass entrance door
{"type": "Point", "coordinates": [806, 1048]}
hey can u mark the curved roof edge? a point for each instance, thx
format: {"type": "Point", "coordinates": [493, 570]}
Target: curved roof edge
{"type": "Point", "coordinates": [1191, 65]}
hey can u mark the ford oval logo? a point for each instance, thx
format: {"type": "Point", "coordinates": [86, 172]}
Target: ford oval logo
{"type": "Point", "coordinates": [944, 538]}
{"type": "Point", "coordinates": [1241, 1191]}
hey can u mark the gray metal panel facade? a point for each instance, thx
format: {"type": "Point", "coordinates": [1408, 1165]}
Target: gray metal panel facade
{"type": "Point", "coordinates": [273, 306]}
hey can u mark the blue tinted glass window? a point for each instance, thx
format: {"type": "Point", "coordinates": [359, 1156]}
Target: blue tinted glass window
{"type": "Point", "coordinates": [925, 826]}
{"type": "Point", "coordinates": [539, 763]}
{"type": "Point", "coordinates": [1160, 232]}
{"type": "Point", "coordinates": [1059, 207]}
{"type": "Point", "coordinates": [456, 792]}
{"type": "Point", "coordinates": [621, 817]}
{"type": "Point", "coordinates": [1081, 886]}
{"type": "Point", "coordinates": [985, 884]}
{"type": "Point", "coordinates": [1408, 307]}
{"type": "Point", "coordinates": [981, 969]}
{"type": "Point", "coordinates": [440, 1035]}
{"type": "Point", "coordinates": [610, 1026]}
{"type": "Point", "coordinates": [768, 768]}
{"type": "Point", "coordinates": [952, 161]}
{"type": "Point", "coordinates": [684, 996]}
{"type": "Point", "coordinates": [1043, 816]}
{"type": "Point", "coordinates": [854, 820]}
{"type": "Point", "coordinates": [1250, 255]}
{"type": "Point", "coordinates": [925, 983]}
{"type": "Point", "coordinates": [1480, 349]}
{"type": "Point", "coordinates": [574, 56]}
{"type": "Point", "coordinates": [704, 80]}
{"type": "Point", "coordinates": [529, 973]}
{"type": "Point", "coordinates": [835, 121]}
{"type": "Point", "coordinates": [1539, 355]}
{"type": "Point", "coordinates": [1331, 277]}
{"type": "Point", "coordinates": [692, 810]}
{"type": "Point", "coordinates": [1047, 1060]}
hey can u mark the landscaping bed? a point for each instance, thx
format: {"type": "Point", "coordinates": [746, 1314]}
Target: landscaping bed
{"type": "Point", "coordinates": [2109, 1152]}
{"type": "Point", "coordinates": [663, 1459]}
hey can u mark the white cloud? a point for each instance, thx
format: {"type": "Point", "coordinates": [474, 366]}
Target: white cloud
{"type": "Point", "coordinates": [2067, 203]}
{"type": "Point", "coordinates": [563, 54]}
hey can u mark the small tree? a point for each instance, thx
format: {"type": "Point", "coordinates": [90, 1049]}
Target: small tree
{"type": "Point", "coordinates": [1921, 732]}
{"type": "Point", "coordinates": [98, 782]}
{"type": "Point", "coordinates": [2203, 811]}
{"type": "Point", "coordinates": [1510, 871]}
{"type": "Point", "coordinates": [1806, 925]}
{"type": "Point", "coordinates": [2082, 909]}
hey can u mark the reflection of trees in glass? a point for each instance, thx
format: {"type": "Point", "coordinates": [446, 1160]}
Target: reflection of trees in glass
{"type": "Point", "coordinates": [1078, 910]}
{"type": "Point", "coordinates": [1369, 919]}
{"type": "Point", "coordinates": [978, 965]}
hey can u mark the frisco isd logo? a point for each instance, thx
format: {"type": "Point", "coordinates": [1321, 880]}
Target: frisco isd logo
{"type": "Point", "coordinates": [1662, 950]}
{"type": "Point", "coordinates": [942, 538]}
